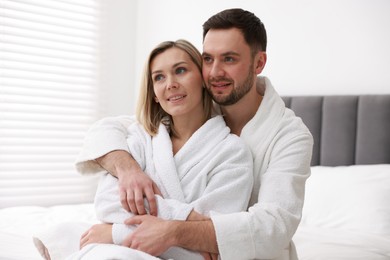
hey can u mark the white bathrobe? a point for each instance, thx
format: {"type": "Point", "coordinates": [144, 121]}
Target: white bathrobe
{"type": "Point", "coordinates": [212, 173]}
{"type": "Point", "coordinates": [281, 146]}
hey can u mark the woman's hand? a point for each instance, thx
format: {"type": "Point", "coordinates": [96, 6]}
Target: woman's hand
{"type": "Point", "coordinates": [99, 233]}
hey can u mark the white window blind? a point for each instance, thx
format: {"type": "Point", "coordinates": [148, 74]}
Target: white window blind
{"type": "Point", "coordinates": [49, 96]}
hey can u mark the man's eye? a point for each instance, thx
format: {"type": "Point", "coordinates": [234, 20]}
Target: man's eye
{"type": "Point", "coordinates": [180, 70]}
{"type": "Point", "coordinates": [207, 59]}
{"type": "Point", "coordinates": [229, 59]}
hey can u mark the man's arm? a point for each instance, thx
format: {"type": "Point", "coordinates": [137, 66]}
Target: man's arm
{"type": "Point", "coordinates": [105, 147]}
{"type": "Point", "coordinates": [155, 236]}
{"type": "Point", "coordinates": [134, 184]}
{"type": "Point", "coordinates": [202, 240]}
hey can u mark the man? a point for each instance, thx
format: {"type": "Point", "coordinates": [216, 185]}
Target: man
{"type": "Point", "coordinates": [234, 53]}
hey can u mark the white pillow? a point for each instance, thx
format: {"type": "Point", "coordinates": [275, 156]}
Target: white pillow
{"type": "Point", "coordinates": [349, 197]}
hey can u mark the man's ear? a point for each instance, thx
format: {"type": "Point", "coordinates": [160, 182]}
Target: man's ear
{"type": "Point", "coordinates": [260, 61]}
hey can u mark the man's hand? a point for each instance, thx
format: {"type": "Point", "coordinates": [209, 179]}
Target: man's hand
{"type": "Point", "coordinates": [195, 216]}
{"type": "Point", "coordinates": [134, 184]}
{"type": "Point", "coordinates": [210, 256]}
{"type": "Point", "coordinates": [99, 233]}
{"type": "Point", "coordinates": [133, 188]}
{"type": "Point", "coordinates": [153, 235]}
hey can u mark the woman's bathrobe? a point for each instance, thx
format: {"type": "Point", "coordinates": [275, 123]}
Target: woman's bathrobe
{"type": "Point", "coordinates": [212, 173]}
{"type": "Point", "coordinates": [281, 146]}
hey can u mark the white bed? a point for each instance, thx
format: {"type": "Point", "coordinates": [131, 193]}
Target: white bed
{"type": "Point", "coordinates": [346, 215]}
{"type": "Point", "coordinates": [18, 225]}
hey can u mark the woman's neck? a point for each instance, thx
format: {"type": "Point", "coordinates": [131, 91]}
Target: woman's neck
{"type": "Point", "coordinates": [184, 127]}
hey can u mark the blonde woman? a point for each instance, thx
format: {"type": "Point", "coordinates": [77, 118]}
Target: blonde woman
{"type": "Point", "coordinates": [196, 163]}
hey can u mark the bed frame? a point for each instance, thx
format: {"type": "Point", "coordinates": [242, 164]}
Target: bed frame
{"type": "Point", "coordinates": [347, 130]}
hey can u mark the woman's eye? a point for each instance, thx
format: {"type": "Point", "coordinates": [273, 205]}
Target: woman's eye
{"type": "Point", "coordinates": [180, 70]}
{"type": "Point", "coordinates": [158, 77]}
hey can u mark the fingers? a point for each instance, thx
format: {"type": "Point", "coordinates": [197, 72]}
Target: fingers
{"type": "Point", "coordinates": [214, 256]}
{"type": "Point", "coordinates": [127, 241]}
{"type": "Point", "coordinates": [134, 191]}
{"type": "Point", "coordinates": [156, 190]}
{"type": "Point", "coordinates": [151, 201]}
{"type": "Point", "coordinates": [134, 201]}
{"type": "Point", "coordinates": [206, 255]}
{"type": "Point", "coordinates": [84, 239]}
{"type": "Point", "coordinates": [124, 201]}
{"type": "Point", "coordinates": [136, 220]}
{"type": "Point", "coordinates": [139, 202]}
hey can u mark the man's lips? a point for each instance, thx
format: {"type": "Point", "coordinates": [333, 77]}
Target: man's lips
{"type": "Point", "coordinates": [220, 85]}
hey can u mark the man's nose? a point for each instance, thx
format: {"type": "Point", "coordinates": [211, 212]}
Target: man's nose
{"type": "Point", "coordinates": [216, 69]}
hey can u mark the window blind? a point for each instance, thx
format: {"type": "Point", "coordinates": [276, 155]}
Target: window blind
{"type": "Point", "coordinates": [49, 96]}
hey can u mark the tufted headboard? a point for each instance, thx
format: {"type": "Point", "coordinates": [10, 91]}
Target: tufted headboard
{"type": "Point", "coordinates": [347, 130]}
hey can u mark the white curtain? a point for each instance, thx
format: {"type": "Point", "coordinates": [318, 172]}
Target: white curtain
{"type": "Point", "coordinates": [49, 96]}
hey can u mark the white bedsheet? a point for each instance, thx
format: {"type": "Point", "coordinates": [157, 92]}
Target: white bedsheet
{"type": "Point", "coordinates": [18, 224]}
{"type": "Point", "coordinates": [315, 243]}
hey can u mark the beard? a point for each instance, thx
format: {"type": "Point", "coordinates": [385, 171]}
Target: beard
{"type": "Point", "coordinates": [237, 92]}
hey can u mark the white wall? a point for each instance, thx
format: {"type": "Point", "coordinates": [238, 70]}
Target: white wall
{"type": "Point", "coordinates": [314, 47]}
{"type": "Point", "coordinates": [118, 56]}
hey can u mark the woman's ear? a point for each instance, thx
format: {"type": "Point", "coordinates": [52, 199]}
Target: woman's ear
{"type": "Point", "coordinates": [156, 99]}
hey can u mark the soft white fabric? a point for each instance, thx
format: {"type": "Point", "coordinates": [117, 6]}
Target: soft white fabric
{"type": "Point", "coordinates": [212, 172]}
{"type": "Point", "coordinates": [19, 224]}
{"type": "Point", "coordinates": [319, 243]}
{"type": "Point", "coordinates": [59, 240]}
{"type": "Point", "coordinates": [109, 251]}
{"type": "Point", "coordinates": [352, 198]}
{"type": "Point", "coordinates": [281, 146]}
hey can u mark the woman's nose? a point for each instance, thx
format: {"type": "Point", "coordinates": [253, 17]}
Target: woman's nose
{"type": "Point", "coordinates": [172, 83]}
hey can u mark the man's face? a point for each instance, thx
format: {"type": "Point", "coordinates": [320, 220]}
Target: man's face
{"type": "Point", "coordinates": [228, 67]}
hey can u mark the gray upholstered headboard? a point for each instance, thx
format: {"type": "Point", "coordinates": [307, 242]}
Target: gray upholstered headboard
{"type": "Point", "coordinates": [347, 130]}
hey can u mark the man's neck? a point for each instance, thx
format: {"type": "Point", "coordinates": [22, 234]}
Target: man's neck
{"type": "Point", "coordinates": [238, 115]}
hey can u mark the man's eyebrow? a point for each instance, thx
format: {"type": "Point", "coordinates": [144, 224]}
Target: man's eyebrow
{"type": "Point", "coordinates": [229, 53]}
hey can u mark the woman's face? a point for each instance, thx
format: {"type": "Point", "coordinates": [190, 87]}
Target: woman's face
{"type": "Point", "coordinates": [177, 83]}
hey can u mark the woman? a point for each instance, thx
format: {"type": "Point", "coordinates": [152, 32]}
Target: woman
{"type": "Point", "coordinates": [191, 156]}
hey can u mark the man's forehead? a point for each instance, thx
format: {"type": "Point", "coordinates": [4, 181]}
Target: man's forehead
{"type": "Point", "coordinates": [220, 41]}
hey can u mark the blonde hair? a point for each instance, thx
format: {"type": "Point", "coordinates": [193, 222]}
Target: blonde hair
{"type": "Point", "coordinates": [149, 113]}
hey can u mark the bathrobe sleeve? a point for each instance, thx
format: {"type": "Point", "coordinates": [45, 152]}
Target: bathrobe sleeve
{"type": "Point", "coordinates": [104, 136]}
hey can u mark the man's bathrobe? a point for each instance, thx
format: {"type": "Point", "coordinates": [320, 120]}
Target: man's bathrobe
{"type": "Point", "coordinates": [281, 146]}
{"type": "Point", "coordinates": [211, 173]}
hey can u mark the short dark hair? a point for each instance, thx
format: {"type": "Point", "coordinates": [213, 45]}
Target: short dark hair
{"type": "Point", "coordinates": [250, 25]}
